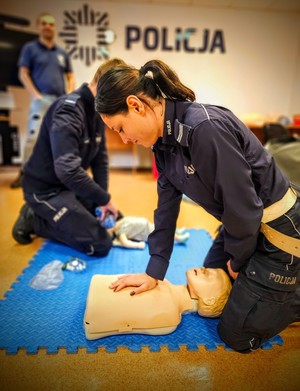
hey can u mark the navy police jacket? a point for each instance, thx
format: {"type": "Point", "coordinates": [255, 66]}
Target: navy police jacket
{"type": "Point", "coordinates": [71, 140]}
{"type": "Point", "coordinates": [209, 155]}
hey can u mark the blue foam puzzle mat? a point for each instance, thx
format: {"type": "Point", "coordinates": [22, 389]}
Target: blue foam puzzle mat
{"type": "Point", "coordinates": [52, 319]}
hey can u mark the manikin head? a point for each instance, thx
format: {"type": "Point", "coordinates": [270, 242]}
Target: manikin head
{"type": "Point", "coordinates": [211, 287]}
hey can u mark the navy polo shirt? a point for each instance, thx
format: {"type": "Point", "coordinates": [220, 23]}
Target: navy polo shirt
{"type": "Point", "coordinates": [47, 66]}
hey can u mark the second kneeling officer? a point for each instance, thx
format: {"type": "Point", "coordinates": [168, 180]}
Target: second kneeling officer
{"type": "Point", "coordinates": [61, 195]}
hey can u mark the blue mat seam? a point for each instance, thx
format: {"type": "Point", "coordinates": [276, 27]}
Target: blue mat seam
{"type": "Point", "coordinates": [52, 320]}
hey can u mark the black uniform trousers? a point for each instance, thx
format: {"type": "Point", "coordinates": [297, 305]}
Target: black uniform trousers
{"type": "Point", "coordinates": [63, 217]}
{"type": "Point", "coordinates": [265, 297]}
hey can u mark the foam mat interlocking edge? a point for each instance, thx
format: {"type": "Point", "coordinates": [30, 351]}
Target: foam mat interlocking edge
{"type": "Point", "coordinates": [39, 318]}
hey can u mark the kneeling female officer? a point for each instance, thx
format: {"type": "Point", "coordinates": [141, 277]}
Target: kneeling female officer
{"type": "Point", "coordinates": [207, 153]}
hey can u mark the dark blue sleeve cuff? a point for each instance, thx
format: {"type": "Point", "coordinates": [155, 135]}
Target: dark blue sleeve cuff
{"type": "Point", "coordinates": [157, 268]}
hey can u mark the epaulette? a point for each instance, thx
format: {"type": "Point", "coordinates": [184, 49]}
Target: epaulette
{"type": "Point", "coordinates": [181, 133]}
{"type": "Point", "coordinates": [71, 99]}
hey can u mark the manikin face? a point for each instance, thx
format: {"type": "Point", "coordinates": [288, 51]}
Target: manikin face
{"type": "Point", "coordinates": [46, 27]}
{"type": "Point", "coordinates": [140, 125]}
{"type": "Point", "coordinates": [205, 282]}
{"type": "Point", "coordinates": [210, 288]}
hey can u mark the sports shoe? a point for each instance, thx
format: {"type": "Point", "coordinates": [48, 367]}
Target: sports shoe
{"type": "Point", "coordinates": [24, 226]}
{"type": "Point", "coordinates": [181, 235]}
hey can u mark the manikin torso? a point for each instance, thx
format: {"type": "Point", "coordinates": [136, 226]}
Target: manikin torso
{"type": "Point", "coordinates": [154, 312]}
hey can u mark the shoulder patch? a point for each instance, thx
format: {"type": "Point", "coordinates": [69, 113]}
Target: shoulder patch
{"type": "Point", "coordinates": [181, 133]}
{"type": "Point", "coordinates": [71, 99]}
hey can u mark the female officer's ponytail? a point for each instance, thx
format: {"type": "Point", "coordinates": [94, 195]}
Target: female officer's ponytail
{"type": "Point", "coordinates": [154, 80]}
{"type": "Point", "coordinates": [167, 81]}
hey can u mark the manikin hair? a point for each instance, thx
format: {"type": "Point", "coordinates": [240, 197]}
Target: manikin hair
{"type": "Point", "coordinates": [212, 307]}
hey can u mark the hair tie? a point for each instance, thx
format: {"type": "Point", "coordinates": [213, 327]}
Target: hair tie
{"type": "Point", "coordinates": [149, 74]}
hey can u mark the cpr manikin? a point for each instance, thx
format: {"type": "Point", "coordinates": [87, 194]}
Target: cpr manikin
{"type": "Point", "coordinates": [133, 232]}
{"type": "Point", "coordinates": [154, 312]}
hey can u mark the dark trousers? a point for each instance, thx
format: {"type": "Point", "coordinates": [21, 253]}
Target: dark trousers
{"type": "Point", "coordinates": [62, 217]}
{"type": "Point", "coordinates": [265, 297]}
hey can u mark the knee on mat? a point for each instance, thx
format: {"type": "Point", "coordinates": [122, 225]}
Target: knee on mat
{"type": "Point", "coordinates": [94, 244]}
{"type": "Point", "coordinates": [102, 248]}
{"type": "Point", "coordinates": [240, 342]}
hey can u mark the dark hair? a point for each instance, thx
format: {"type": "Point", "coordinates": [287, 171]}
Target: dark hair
{"type": "Point", "coordinates": [111, 63]}
{"type": "Point", "coordinates": [153, 80]}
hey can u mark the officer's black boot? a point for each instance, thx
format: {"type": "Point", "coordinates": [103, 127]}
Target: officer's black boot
{"type": "Point", "coordinates": [18, 181]}
{"type": "Point", "coordinates": [24, 226]}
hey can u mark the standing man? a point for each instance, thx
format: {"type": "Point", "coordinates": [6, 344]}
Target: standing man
{"type": "Point", "coordinates": [46, 73]}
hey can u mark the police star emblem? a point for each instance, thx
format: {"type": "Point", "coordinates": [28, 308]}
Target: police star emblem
{"type": "Point", "coordinates": [86, 34]}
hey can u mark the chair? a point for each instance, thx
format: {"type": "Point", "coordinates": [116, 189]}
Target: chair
{"type": "Point", "coordinates": [276, 131]}
{"type": "Point", "coordinates": [285, 149]}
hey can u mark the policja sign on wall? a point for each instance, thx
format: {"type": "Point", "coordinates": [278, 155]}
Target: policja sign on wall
{"type": "Point", "coordinates": [153, 38]}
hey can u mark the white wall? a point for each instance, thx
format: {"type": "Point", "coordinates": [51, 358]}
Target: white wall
{"type": "Point", "coordinates": [258, 73]}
